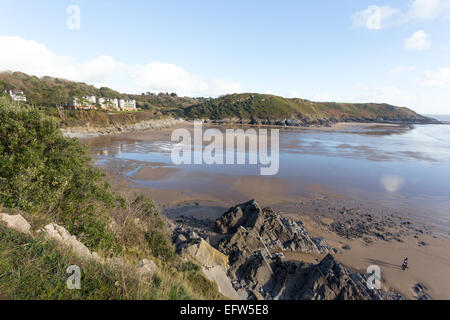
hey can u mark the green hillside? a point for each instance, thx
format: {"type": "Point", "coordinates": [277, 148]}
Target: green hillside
{"type": "Point", "coordinates": [51, 92]}
{"type": "Point", "coordinates": [263, 106]}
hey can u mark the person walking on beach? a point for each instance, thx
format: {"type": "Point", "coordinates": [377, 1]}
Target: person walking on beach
{"type": "Point", "coordinates": [405, 264]}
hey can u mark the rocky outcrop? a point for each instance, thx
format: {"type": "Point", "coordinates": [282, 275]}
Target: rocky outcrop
{"type": "Point", "coordinates": [253, 228]}
{"type": "Point", "coordinates": [327, 280]}
{"type": "Point", "coordinates": [146, 267]}
{"type": "Point", "coordinates": [324, 121]}
{"type": "Point", "coordinates": [16, 222]}
{"type": "Point", "coordinates": [52, 231]}
{"type": "Point", "coordinates": [203, 253]}
{"type": "Point", "coordinates": [121, 128]}
{"type": "Point", "coordinates": [63, 237]}
{"type": "Point", "coordinates": [254, 241]}
{"type": "Point", "coordinates": [214, 264]}
{"type": "Point", "coordinates": [58, 234]}
{"type": "Point", "coordinates": [283, 280]}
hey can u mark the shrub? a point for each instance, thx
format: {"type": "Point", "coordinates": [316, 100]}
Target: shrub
{"type": "Point", "coordinates": [160, 245]}
{"type": "Point", "coordinates": [42, 172]}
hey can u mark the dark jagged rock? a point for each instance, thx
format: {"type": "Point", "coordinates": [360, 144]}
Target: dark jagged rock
{"type": "Point", "coordinates": [254, 228]}
{"type": "Point", "coordinates": [245, 215]}
{"type": "Point", "coordinates": [253, 241]}
{"type": "Point", "coordinates": [328, 280]}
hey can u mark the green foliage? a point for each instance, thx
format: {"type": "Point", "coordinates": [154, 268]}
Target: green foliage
{"type": "Point", "coordinates": [33, 268]}
{"type": "Point", "coordinates": [189, 266]}
{"type": "Point", "coordinates": [160, 245]}
{"type": "Point", "coordinates": [200, 284]}
{"type": "Point", "coordinates": [147, 207]}
{"type": "Point", "coordinates": [43, 172]}
{"type": "Point", "coordinates": [46, 91]}
{"type": "Point", "coordinates": [265, 106]}
{"type": "Point", "coordinates": [51, 178]}
{"type": "Point", "coordinates": [53, 92]}
{"type": "Point", "coordinates": [36, 269]}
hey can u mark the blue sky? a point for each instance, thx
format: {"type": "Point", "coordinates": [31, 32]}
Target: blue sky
{"type": "Point", "coordinates": [358, 51]}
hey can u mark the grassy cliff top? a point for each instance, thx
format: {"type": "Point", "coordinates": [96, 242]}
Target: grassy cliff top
{"type": "Point", "coordinates": [265, 106]}
{"type": "Point", "coordinates": [51, 92]}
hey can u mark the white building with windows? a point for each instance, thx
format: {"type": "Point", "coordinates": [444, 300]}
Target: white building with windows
{"type": "Point", "coordinates": [86, 102]}
{"type": "Point", "coordinates": [18, 95]}
{"type": "Point", "coordinates": [128, 105]}
{"type": "Point", "coordinates": [108, 103]}
{"type": "Point", "coordinates": [92, 102]}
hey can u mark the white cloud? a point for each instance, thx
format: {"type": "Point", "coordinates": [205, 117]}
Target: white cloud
{"type": "Point", "coordinates": [425, 10]}
{"type": "Point", "coordinates": [162, 76]}
{"type": "Point", "coordinates": [295, 94]}
{"type": "Point", "coordinates": [377, 17]}
{"type": "Point", "coordinates": [323, 97]}
{"type": "Point", "coordinates": [374, 17]}
{"type": "Point", "coordinates": [418, 41]}
{"type": "Point", "coordinates": [222, 86]}
{"type": "Point", "coordinates": [388, 94]}
{"type": "Point", "coordinates": [431, 101]}
{"type": "Point", "coordinates": [28, 55]}
{"type": "Point", "coordinates": [440, 78]}
{"type": "Point", "coordinates": [34, 58]}
{"type": "Point", "coordinates": [96, 70]}
{"type": "Point", "coordinates": [401, 69]}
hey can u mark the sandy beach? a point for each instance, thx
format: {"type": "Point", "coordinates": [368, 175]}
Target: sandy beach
{"type": "Point", "coordinates": [362, 231]}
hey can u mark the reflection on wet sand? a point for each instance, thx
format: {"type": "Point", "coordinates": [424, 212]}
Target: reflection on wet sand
{"type": "Point", "coordinates": [376, 193]}
{"type": "Point", "coordinates": [399, 167]}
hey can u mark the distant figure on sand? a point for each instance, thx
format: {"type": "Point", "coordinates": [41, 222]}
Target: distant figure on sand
{"type": "Point", "coordinates": [405, 264]}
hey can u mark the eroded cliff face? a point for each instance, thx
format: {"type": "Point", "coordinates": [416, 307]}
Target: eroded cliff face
{"type": "Point", "coordinates": [254, 239]}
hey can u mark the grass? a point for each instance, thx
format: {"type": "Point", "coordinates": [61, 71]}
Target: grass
{"type": "Point", "coordinates": [36, 269]}
{"type": "Point", "coordinates": [49, 178]}
{"type": "Point", "coordinates": [51, 92]}
{"type": "Point", "coordinates": [265, 106]}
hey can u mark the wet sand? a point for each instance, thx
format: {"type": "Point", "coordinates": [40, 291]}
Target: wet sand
{"type": "Point", "coordinates": [206, 196]}
{"type": "Point", "coordinates": [429, 265]}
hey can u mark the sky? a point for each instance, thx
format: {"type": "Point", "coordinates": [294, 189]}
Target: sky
{"type": "Point", "coordinates": [395, 52]}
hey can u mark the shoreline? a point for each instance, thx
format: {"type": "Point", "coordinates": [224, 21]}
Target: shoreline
{"type": "Point", "coordinates": [402, 237]}
{"type": "Point", "coordinates": [142, 126]}
{"type": "Point", "coordinates": [147, 125]}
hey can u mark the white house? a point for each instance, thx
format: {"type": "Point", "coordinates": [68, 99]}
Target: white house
{"type": "Point", "coordinates": [125, 104]}
{"type": "Point", "coordinates": [86, 102]}
{"type": "Point", "coordinates": [17, 95]}
{"type": "Point", "coordinates": [108, 103]}
{"type": "Point", "coordinates": [91, 102]}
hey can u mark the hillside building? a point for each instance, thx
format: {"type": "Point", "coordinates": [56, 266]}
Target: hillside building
{"type": "Point", "coordinates": [18, 95]}
{"type": "Point", "coordinates": [108, 103]}
{"type": "Point", "coordinates": [127, 105]}
{"type": "Point", "coordinates": [86, 102]}
{"type": "Point", "coordinates": [92, 102]}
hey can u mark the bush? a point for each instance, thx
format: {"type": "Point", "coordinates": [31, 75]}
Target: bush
{"type": "Point", "coordinates": [159, 245]}
{"type": "Point", "coordinates": [51, 178]}
{"type": "Point", "coordinates": [42, 172]}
